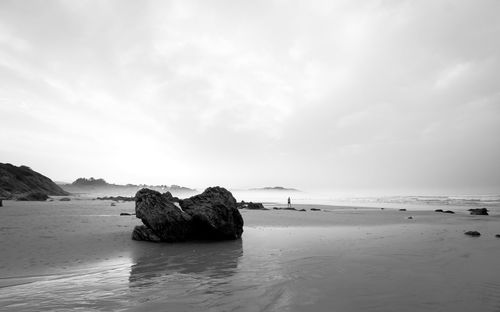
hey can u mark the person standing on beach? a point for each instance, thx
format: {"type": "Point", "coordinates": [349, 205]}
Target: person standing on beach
{"type": "Point", "coordinates": [289, 203]}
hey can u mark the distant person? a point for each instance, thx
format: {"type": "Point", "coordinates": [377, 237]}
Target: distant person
{"type": "Point", "coordinates": [289, 203]}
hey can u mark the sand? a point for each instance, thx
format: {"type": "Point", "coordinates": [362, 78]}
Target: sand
{"type": "Point", "coordinates": [61, 255]}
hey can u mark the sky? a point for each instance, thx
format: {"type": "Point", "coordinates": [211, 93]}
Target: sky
{"type": "Point", "coordinates": [396, 97]}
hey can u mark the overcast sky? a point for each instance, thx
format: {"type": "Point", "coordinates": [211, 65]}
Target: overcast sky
{"type": "Point", "coordinates": [394, 96]}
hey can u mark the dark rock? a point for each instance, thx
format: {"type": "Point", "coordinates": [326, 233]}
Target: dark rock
{"type": "Point", "coordinates": [410, 217]}
{"type": "Point", "coordinates": [18, 181]}
{"type": "Point", "coordinates": [34, 196]}
{"type": "Point", "coordinates": [498, 235]}
{"type": "Point", "coordinates": [302, 209]}
{"type": "Point", "coordinates": [117, 198]}
{"type": "Point", "coordinates": [479, 211]}
{"type": "Point", "coordinates": [143, 233]}
{"type": "Point", "coordinates": [65, 199]}
{"type": "Point", "coordinates": [402, 209]}
{"type": "Point", "coordinates": [1, 204]}
{"type": "Point", "coordinates": [251, 206]}
{"type": "Point", "coordinates": [211, 215]}
{"type": "Point", "coordinates": [448, 211]}
{"type": "Point", "coordinates": [472, 233]}
{"type": "Point", "coordinates": [214, 214]}
{"type": "Point", "coordinates": [315, 209]}
{"type": "Point", "coordinates": [438, 210]}
{"type": "Point", "coordinates": [125, 214]}
{"type": "Point", "coordinates": [113, 204]}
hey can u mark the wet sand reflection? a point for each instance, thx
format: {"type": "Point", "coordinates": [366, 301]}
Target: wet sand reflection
{"type": "Point", "coordinates": [157, 263]}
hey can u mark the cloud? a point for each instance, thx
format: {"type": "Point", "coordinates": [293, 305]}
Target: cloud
{"type": "Point", "coordinates": [317, 95]}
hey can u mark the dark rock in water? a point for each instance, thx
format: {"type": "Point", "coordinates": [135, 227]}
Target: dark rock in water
{"type": "Point", "coordinates": [448, 211]}
{"type": "Point", "coordinates": [302, 209]}
{"type": "Point", "coordinates": [113, 204]}
{"type": "Point", "coordinates": [402, 209]}
{"type": "Point", "coordinates": [125, 214]}
{"type": "Point", "coordinates": [65, 199]}
{"type": "Point", "coordinates": [211, 215]}
{"type": "Point", "coordinates": [34, 196]}
{"type": "Point", "coordinates": [498, 235]}
{"type": "Point", "coordinates": [410, 217]}
{"type": "Point", "coordinates": [479, 211]}
{"type": "Point", "coordinates": [472, 233]}
{"type": "Point", "coordinates": [1, 204]}
{"type": "Point", "coordinates": [143, 233]}
{"type": "Point", "coordinates": [438, 210]}
{"type": "Point", "coordinates": [315, 209]}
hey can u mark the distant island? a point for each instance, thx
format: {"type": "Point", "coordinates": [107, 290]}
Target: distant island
{"type": "Point", "coordinates": [88, 184]}
{"type": "Point", "coordinates": [16, 182]}
{"type": "Point", "coordinates": [275, 188]}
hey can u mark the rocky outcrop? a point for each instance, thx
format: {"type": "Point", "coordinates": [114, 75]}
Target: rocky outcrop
{"type": "Point", "coordinates": [211, 215]}
{"type": "Point", "coordinates": [19, 181]}
{"type": "Point", "coordinates": [251, 206]}
{"type": "Point", "coordinates": [34, 196]}
{"type": "Point", "coordinates": [472, 233]}
{"type": "Point", "coordinates": [117, 198]}
{"type": "Point", "coordinates": [479, 211]}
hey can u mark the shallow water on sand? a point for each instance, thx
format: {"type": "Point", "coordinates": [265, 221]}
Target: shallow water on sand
{"type": "Point", "coordinates": [380, 268]}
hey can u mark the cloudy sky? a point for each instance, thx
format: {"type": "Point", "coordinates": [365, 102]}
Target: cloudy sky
{"type": "Point", "coordinates": [393, 96]}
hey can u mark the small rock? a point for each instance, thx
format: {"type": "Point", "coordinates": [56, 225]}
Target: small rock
{"type": "Point", "coordinates": [479, 211]}
{"type": "Point", "coordinates": [410, 217]}
{"type": "Point", "coordinates": [448, 211]}
{"type": "Point", "coordinates": [438, 210]}
{"type": "Point", "coordinates": [315, 209]}
{"type": "Point", "coordinates": [125, 214]}
{"type": "Point", "coordinates": [472, 233]}
{"type": "Point", "coordinates": [65, 199]}
{"type": "Point", "coordinates": [113, 204]}
{"type": "Point", "coordinates": [498, 235]}
{"type": "Point", "coordinates": [302, 209]}
{"type": "Point", "coordinates": [402, 209]}
{"type": "Point", "coordinates": [1, 205]}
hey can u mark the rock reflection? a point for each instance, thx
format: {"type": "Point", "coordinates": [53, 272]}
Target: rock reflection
{"type": "Point", "coordinates": [159, 263]}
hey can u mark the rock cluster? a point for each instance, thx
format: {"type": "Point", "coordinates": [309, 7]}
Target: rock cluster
{"type": "Point", "coordinates": [251, 206]}
{"type": "Point", "coordinates": [212, 215]}
{"type": "Point", "coordinates": [34, 196]}
{"type": "Point", "coordinates": [479, 211]}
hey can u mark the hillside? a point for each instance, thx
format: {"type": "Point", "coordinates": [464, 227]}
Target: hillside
{"type": "Point", "coordinates": [15, 181]}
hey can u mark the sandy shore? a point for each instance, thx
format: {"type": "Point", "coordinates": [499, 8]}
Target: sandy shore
{"type": "Point", "coordinates": [383, 249]}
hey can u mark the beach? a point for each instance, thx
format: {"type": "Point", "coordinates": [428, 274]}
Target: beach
{"type": "Point", "coordinates": [79, 254]}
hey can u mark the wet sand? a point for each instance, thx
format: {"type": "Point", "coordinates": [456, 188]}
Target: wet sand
{"type": "Point", "coordinates": [62, 255]}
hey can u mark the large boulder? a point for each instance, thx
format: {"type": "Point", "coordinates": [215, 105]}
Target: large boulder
{"type": "Point", "coordinates": [162, 216]}
{"type": "Point", "coordinates": [212, 215]}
